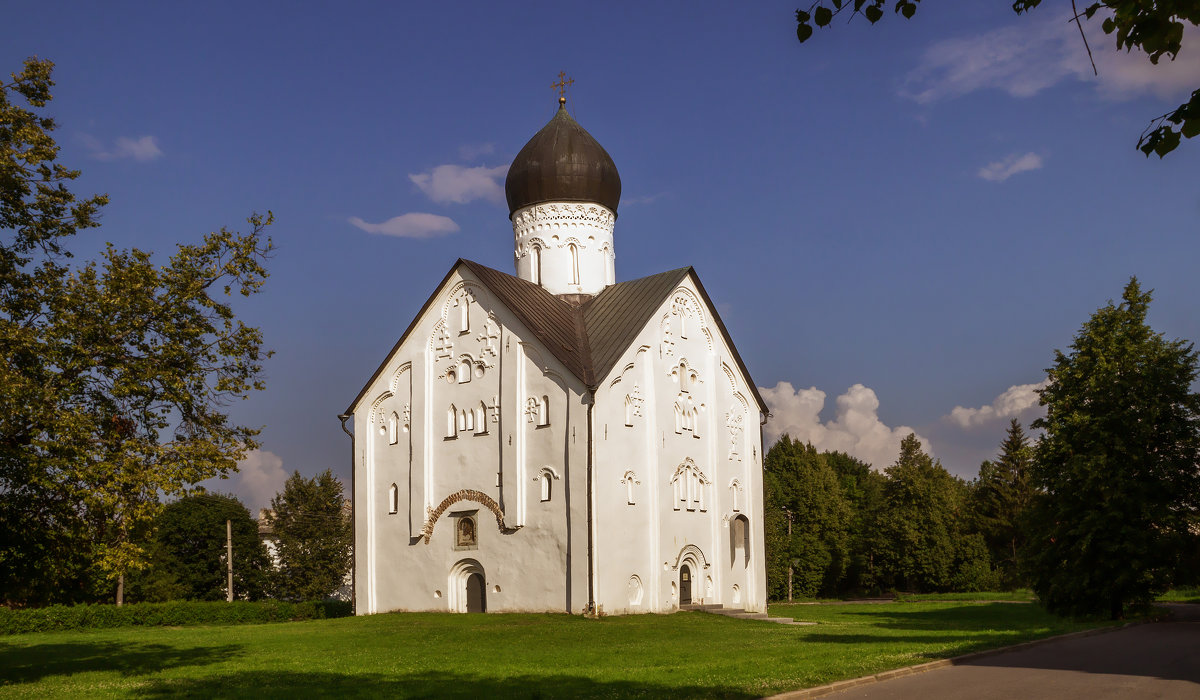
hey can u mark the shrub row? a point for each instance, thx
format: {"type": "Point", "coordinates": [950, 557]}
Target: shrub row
{"type": "Point", "coordinates": [178, 613]}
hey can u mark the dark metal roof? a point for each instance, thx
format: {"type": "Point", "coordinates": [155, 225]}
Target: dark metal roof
{"type": "Point", "coordinates": [562, 163]}
{"type": "Point", "coordinates": [614, 317]}
{"type": "Point", "coordinates": [588, 339]}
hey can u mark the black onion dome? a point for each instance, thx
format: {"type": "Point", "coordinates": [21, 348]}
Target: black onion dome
{"type": "Point", "coordinates": [562, 163]}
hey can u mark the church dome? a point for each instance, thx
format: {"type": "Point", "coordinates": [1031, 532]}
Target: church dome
{"type": "Point", "coordinates": [562, 163]}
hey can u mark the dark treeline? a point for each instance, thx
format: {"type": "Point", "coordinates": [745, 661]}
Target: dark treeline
{"type": "Point", "coordinates": [836, 527]}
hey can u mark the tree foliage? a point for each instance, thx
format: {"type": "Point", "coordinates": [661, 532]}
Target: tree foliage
{"type": "Point", "coordinates": [1117, 465]}
{"type": "Point", "coordinates": [314, 537]}
{"type": "Point", "coordinates": [806, 490]}
{"type": "Point", "coordinates": [926, 544]}
{"type": "Point", "coordinates": [114, 374]}
{"type": "Point", "coordinates": [188, 553]}
{"type": "Point", "coordinates": [1000, 498]}
{"type": "Point", "coordinates": [1154, 27]}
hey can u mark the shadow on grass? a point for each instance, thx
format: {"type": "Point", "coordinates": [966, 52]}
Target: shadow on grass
{"type": "Point", "coordinates": [26, 664]}
{"type": "Point", "coordinates": [986, 616]}
{"type": "Point", "coordinates": [284, 684]}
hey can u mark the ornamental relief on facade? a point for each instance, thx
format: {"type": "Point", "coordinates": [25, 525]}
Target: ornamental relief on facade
{"type": "Point", "coordinates": [558, 215]}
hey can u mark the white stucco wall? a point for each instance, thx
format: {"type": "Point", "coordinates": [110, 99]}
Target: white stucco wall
{"type": "Point", "coordinates": [566, 247]}
{"type": "Point", "coordinates": [532, 553]}
{"type": "Point", "coordinates": [643, 545]}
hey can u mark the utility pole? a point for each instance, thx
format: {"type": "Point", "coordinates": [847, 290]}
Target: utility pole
{"type": "Point", "coordinates": [789, 514]}
{"type": "Point", "coordinates": [229, 559]}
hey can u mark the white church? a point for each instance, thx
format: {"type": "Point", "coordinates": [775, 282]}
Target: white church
{"type": "Point", "coordinates": [558, 441]}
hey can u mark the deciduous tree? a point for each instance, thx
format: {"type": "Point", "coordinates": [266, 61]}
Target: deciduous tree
{"type": "Point", "coordinates": [809, 494]}
{"type": "Point", "coordinates": [114, 374]}
{"type": "Point", "coordinates": [189, 552]}
{"type": "Point", "coordinates": [1117, 465]}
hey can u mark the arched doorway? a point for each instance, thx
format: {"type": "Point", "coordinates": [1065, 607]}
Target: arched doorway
{"type": "Point", "coordinates": [685, 585]}
{"type": "Point", "coordinates": [468, 587]}
{"type": "Point", "coordinates": [476, 595]}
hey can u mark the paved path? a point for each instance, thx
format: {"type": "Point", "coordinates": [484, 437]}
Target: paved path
{"type": "Point", "coordinates": [1158, 660]}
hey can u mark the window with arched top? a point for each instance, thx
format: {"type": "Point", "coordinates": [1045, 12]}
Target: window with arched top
{"type": "Point", "coordinates": [546, 487]}
{"type": "Point", "coordinates": [574, 250]}
{"type": "Point", "coordinates": [464, 371]}
{"type": "Point", "coordinates": [628, 411]}
{"type": "Point", "coordinates": [481, 419]}
{"type": "Point", "coordinates": [464, 315]}
{"type": "Point", "coordinates": [451, 422]}
{"type": "Point", "coordinates": [544, 411]}
{"type": "Point", "coordinates": [683, 378]}
{"type": "Point", "coordinates": [393, 500]}
{"type": "Point", "coordinates": [535, 264]}
{"type": "Point", "coordinates": [393, 428]}
{"type": "Point", "coordinates": [695, 421]}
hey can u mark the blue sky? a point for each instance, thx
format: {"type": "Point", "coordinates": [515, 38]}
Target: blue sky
{"type": "Point", "coordinates": [897, 221]}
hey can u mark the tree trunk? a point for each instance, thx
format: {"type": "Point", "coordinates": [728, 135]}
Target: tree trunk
{"type": "Point", "coordinates": [120, 590]}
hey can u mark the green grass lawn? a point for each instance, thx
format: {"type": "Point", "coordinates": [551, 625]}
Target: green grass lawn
{"type": "Point", "coordinates": [1181, 595]}
{"type": "Point", "coordinates": [1019, 595]}
{"type": "Point", "coordinates": [483, 656]}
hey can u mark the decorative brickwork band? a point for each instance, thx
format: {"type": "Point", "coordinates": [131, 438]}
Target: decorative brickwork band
{"type": "Point", "coordinates": [465, 495]}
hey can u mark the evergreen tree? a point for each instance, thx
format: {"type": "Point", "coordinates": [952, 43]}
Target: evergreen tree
{"type": "Point", "coordinates": [808, 493]}
{"type": "Point", "coordinates": [1117, 464]}
{"type": "Point", "coordinates": [314, 537]}
{"type": "Point", "coordinates": [999, 500]}
{"type": "Point", "coordinates": [923, 544]}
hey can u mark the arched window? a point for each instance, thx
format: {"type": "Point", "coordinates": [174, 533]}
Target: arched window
{"type": "Point", "coordinates": [696, 421]}
{"type": "Point", "coordinates": [451, 422]}
{"type": "Point", "coordinates": [545, 487]}
{"type": "Point", "coordinates": [466, 419]}
{"type": "Point", "coordinates": [394, 428]}
{"type": "Point", "coordinates": [464, 371]}
{"type": "Point", "coordinates": [464, 315]}
{"type": "Point", "coordinates": [574, 250]}
{"type": "Point", "coordinates": [683, 378]}
{"type": "Point", "coordinates": [544, 411]}
{"type": "Point", "coordinates": [393, 499]}
{"type": "Point", "coordinates": [629, 480]}
{"type": "Point", "coordinates": [481, 419]}
{"type": "Point", "coordinates": [628, 411]}
{"type": "Point", "coordinates": [535, 264]}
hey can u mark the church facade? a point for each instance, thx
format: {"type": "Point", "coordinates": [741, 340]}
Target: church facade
{"type": "Point", "coordinates": [556, 440]}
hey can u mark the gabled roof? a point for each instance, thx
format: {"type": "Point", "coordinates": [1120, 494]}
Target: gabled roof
{"type": "Point", "coordinates": [588, 339]}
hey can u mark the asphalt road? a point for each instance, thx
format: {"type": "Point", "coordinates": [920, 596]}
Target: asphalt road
{"type": "Point", "coordinates": [1158, 660]}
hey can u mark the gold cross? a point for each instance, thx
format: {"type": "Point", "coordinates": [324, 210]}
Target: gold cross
{"type": "Point", "coordinates": [561, 86]}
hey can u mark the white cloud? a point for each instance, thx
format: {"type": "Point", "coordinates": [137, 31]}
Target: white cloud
{"type": "Point", "coordinates": [1042, 50]}
{"type": "Point", "coordinates": [458, 184]}
{"type": "Point", "coordinates": [411, 225]}
{"type": "Point", "coordinates": [855, 430]}
{"type": "Point", "coordinates": [260, 477]}
{"type": "Point", "coordinates": [1012, 403]}
{"type": "Point", "coordinates": [141, 149]}
{"type": "Point", "coordinates": [1006, 167]}
{"type": "Point", "coordinates": [471, 151]}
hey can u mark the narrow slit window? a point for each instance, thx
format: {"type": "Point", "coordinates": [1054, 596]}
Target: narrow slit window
{"type": "Point", "coordinates": [546, 486]}
{"type": "Point", "coordinates": [451, 418]}
{"type": "Point", "coordinates": [393, 500]}
{"type": "Point", "coordinates": [574, 250]}
{"type": "Point", "coordinates": [535, 264]}
{"type": "Point", "coordinates": [544, 411]}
